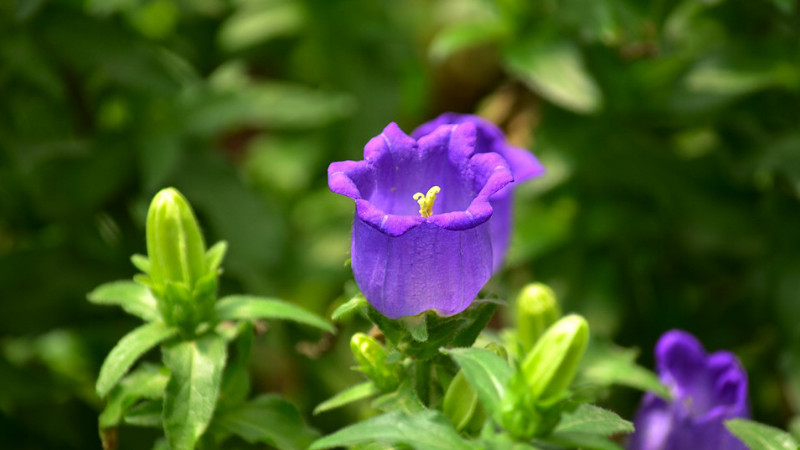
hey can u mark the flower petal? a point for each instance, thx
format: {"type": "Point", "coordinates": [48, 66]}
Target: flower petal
{"type": "Point", "coordinates": [428, 267]}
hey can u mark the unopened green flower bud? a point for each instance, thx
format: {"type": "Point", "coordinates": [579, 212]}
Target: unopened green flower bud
{"type": "Point", "coordinates": [551, 365]}
{"type": "Point", "coordinates": [179, 272]}
{"type": "Point", "coordinates": [175, 246]}
{"type": "Point", "coordinates": [537, 309]}
{"type": "Point", "coordinates": [371, 357]}
{"type": "Point", "coordinates": [461, 405]}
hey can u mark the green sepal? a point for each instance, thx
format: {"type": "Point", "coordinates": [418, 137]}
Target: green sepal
{"type": "Point", "coordinates": [348, 308]}
{"type": "Point", "coordinates": [214, 256]}
{"type": "Point", "coordinates": [141, 262]}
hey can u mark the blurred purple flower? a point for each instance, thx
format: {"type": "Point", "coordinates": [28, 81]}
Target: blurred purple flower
{"type": "Point", "coordinates": [707, 390]}
{"type": "Point", "coordinates": [408, 258]}
{"type": "Point", "coordinates": [522, 163]}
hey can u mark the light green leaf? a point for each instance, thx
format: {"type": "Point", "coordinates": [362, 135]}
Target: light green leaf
{"type": "Point", "coordinates": [428, 430]}
{"type": "Point", "coordinates": [268, 419]}
{"type": "Point", "coordinates": [191, 394]}
{"type": "Point", "coordinates": [593, 420]}
{"type": "Point", "coordinates": [134, 298]}
{"type": "Point", "coordinates": [404, 399]}
{"type": "Point", "coordinates": [758, 436]}
{"type": "Point", "coordinates": [554, 69]}
{"type": "Point", "coordinates": [242, 307]}
{"type": "Point", "coordinates": [353, 394]}
{"type": "Point", "coordinates": [146, 382]}
{"type": "Point", "coordinates": [251, 26]}
{"type": "Point", "coordinates": [486, 372]}
{"type": "Point", "coordinates": [584, 441]}
{"type": "Point", "coordinates": [128, 350]}
{"type": "Point", "coordinates": [465, 35]}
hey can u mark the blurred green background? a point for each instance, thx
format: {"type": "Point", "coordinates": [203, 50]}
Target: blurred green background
{"type": "Point", "coordinates": [670, 130]}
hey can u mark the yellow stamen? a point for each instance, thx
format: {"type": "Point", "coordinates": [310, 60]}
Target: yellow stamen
{"type": "Point", "coordinates": [426, 201]}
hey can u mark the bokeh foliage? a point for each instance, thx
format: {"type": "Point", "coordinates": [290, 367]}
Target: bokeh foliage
{"type": "Point", "coordinates": [670, 130]}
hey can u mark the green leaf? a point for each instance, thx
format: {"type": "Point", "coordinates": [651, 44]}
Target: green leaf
{"type": "Point", "coordinates": [236, 378]}
{"type": "Point", "coordinates": [146, 382]}
{"type": "Point", "coordinates": [191, 394]}
{"type": "Point", "coordinates": [758, 436]}
{"type": "Point", "coordinates": [486, 372]}
{"type": "Point", "coordinates": [465, 35]}
{"type": "Point", "coordinates": [584, 441]}
{"type": "Point", "coordinates": [251, 26]}
{"type": "Point", "coordinates": [605, 364]}
{"type": "Point", "coordinates": [353, 394]}
{"type": "Point", "coordinates": [134, 298]}
{"type": "Point", "coordinates": [554, 69]}
{"type": "Point", "coordinates": [268, 419]}
{"type": "Point", "coordinates": [242, 307]}
{"type": "Point", "coordinates": [128, 350]}
{"type": "Point", "coordinates": [428, 430]}
{"type": "Point", "coordinates": [593, 420]}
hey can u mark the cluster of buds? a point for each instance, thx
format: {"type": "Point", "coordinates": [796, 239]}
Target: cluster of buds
{"type": "Point", "coordinates": [554, 349]}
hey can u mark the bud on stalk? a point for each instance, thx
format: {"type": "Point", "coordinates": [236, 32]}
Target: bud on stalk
{"type": "Point", "coordinates": [537, 309]}
{"type": "Point", "coordinates": [178, 274]}
{"type": "Point", "coordinates": [553, 362]}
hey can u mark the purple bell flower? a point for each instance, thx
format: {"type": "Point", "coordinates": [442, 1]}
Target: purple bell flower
{"type": "Point", "coordinates": [411, 251]}
{"type": "Point", "coordinates": [707, 390]}
{"type": "Point", "coordinates": [522, 163]}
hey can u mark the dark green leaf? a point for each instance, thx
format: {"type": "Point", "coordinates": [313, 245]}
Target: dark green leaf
{"type": "Point", "coordinates": [593, 420]}
{"type": "Point", "coordinates": [268, 419]}
{"type": "Point", "coordinates": [427, 430]}
{"type": "Point", "coordinates": [236, 378]}
{"type": "Point", "coordinates": [486, 372]}
{"type": "Point", "coordinates": [758, 436]}
{"type": "Point", "coordinates": [353, 394]}
{"type": "Point", "coordinates": [191, 394]}
{"type": "Point", "coordinates": [128, 350]}
{"type": "Point", "coordinates": [132, 297]}
{"type": "Point", "coordinates": [243, 307]}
